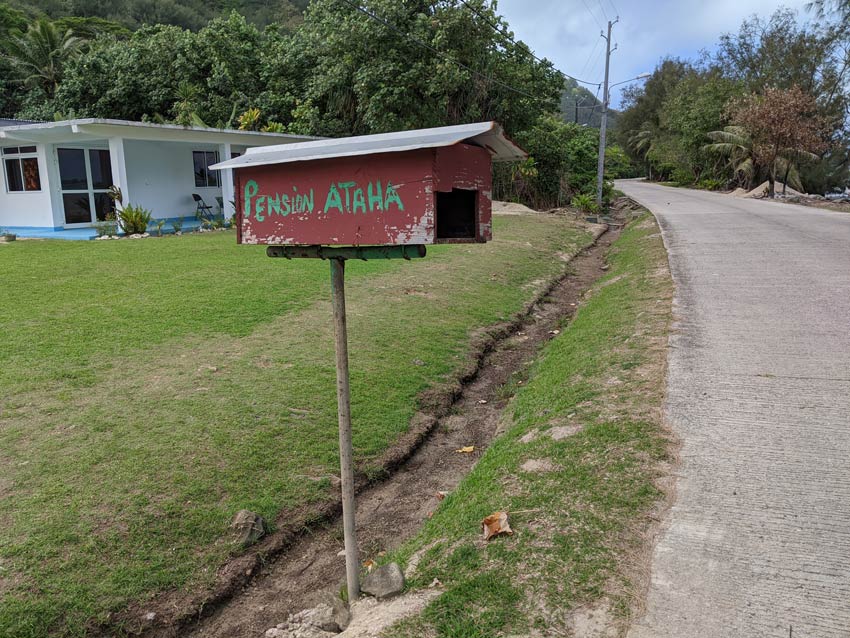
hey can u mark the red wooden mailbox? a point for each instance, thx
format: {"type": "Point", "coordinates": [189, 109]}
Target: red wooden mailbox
{"type": "Point", "coordinates": [385, 195]}
{"type": "Point", "coordinates": [420, 187]}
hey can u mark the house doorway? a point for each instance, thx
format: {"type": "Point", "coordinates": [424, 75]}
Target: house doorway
{"type": "Point", "coordinates": [85, 175]}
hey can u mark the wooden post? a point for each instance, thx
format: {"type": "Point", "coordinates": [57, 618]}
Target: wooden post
{"type": "Point", "coordinates": [352, 561]}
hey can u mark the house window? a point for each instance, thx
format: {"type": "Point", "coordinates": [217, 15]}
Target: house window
{"type": "Point", "coordinates": [21, 164]}
{"type": "Point", "coordinates": [203, 175]}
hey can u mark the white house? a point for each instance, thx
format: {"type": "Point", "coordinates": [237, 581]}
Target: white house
{"type": "Point", "coordinates": [55, 175]}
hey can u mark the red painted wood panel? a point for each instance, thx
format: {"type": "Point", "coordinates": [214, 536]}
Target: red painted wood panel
{"type": "Point", "coordinates": [382, 199]}
{"type": "Point", "coordinates": [371, 200]}
{"type": "Point", "coordinates": [468, 167]}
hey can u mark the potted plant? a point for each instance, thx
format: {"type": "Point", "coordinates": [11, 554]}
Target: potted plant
{"type": "Point", "coordinates": [7, 236]}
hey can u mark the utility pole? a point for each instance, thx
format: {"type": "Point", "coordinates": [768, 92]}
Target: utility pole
{"type": "Point", "coordinates": [600, 168]}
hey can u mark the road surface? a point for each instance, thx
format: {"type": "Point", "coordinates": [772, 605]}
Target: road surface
{"type": "Point", "coordinates": [757, 543]}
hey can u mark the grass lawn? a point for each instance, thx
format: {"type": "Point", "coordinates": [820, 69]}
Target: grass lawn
{"type": "Point", "coordinates": [151, 389]}
{"type": "Point", "coordinates": [589, 421]}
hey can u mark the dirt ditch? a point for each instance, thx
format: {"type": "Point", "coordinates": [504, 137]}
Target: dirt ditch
{"type": "Point", "coordinates": [389, 511]}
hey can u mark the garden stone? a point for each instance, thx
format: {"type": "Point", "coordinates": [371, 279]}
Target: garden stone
{"type": "Point", "coordinates": [248, 527]}
{"type": "Point", "coordinates": [339, 614]}
{"type": "Point", "coordinates": [384, 582]}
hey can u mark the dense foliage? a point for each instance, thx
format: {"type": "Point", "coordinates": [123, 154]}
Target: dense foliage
{"type": "Point", "coordinates": [340, 72]}
{"type": "Point", "coordinates": [562, 164]}
{"type": "Point", "coordinates": [683, 124]}
{"type": "Point", "coordinates": [189, 14]}
{"type": "Point", "coordinates": [341, 68]}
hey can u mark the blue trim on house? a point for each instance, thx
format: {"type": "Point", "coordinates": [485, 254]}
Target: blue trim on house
{"type": "Point", "coordinates": [190, 224]}
{"type": "Point", "coordinates": [34, 232]}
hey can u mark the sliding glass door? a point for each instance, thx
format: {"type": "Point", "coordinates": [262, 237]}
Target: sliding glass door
{"type": "Point", "coordinates": [85, 176]}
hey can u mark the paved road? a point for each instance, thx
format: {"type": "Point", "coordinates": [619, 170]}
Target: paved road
{"type": "Point", "coordinates": [758, 540]}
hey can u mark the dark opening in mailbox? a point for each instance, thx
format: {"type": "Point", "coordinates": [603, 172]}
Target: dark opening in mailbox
{"type": "Point", "coordinates": [427, 186]}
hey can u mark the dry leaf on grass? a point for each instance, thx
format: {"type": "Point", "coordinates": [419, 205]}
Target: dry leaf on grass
{"type": "Point", "coordinates": [495, 524]}
{"type": "Point", "coordinates": [369, 565]}
{"type": "Point", "coordinates": [469, 449]}
{"type": "Point", "coordinates": [441, 495]}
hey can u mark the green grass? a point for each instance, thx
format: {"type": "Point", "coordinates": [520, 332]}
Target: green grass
{"type": "Point", "coordinates": [151, 389]}
{"type": "Point", "coordinates": [576, 524]}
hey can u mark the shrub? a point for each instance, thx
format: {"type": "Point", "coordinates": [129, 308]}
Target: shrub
{"type": "Point", "coordinates": [585, 203]}
{"type": "Point", "coordinates": [710, 184]}
{"type": "Point", "coordinates": [177, 225]}
{"type": "Point", "coordinates": [682, 176]}
{"type": "Point", "coordinates": [562, 164]}
{"type": "Point", "coordinates": [107, 227]}
{"type": "Point", "coordinates": [159, 223]}
{"type": "Point", "coordinates": [134, 219]}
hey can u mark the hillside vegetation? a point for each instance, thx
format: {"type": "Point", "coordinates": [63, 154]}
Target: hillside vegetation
{"type": "Point", "coordinates": [337, 69]}
{"type": "Point", "coordinates": [769, 103]}
{"type": "Point", "coordinates": [189, 14]}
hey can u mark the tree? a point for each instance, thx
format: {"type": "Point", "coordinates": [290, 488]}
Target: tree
{"type": "Point", "coordinates": [642, 143]}
{"type": "Point", "coordinates": [39, 56]}
{"type": "Point", "coordinates": [693, 108]}
{"type": "Point", "coordinates": [677, 121]}
{"type": "Point", "coordinates": [780, 53]}
{"type": "Point", "coordinates": [165, 72]}
{"type": "Point", "coordinates": [135, 80]}
{"type": "Point", "coordinates": [12, 23]}
{"type": "Point", "coordinates": [734, 145]}
{"type": "Point", "coordinates": [416, 64]}
{"type": "Point", "coordinates": [824, 8]}
{"type": "Point", "coordinates": [562, 164]}
{"type": "Point", "coordinates": [784, 127]}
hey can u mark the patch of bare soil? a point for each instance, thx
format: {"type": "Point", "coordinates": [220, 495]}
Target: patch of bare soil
{"type": "Point", "coordinates": [369, 617]}
{"type": "Point", "coordinates": [307, 562]}
{"type": "Point", "coordinates": [511, 208]}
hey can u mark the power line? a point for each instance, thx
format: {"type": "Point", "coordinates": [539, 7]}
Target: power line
{"type": "Point", "coordinates": [601, 8]}
{"type": "Point", "coordinates": [585, 67]}
{"type": "Point", "coordinates": [592, 15]}
{"type": "Point", "coordinates": [501, 32]}
{"type": "Point", "coordinates": [392, 27]}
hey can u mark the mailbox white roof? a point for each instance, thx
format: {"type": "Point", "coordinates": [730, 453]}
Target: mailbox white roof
{"type": "Point", "coordinates": [487, 135]}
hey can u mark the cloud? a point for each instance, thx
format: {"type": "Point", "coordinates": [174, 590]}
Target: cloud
{"type": "Point", "coordinates": [567, 31]}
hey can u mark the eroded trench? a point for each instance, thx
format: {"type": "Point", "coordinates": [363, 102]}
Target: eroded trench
{"type": "Point", "coordinates": [391, 511]}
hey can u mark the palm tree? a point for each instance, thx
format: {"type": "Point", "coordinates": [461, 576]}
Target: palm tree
{"type": "Point", "coordinates": [787, 163]}
{"type": "Point", "coordinates": [643, 143]}
{"type": "Point", "coordinates": [734, 144]}
{"type": "Point", "coordinates": [40, 54]}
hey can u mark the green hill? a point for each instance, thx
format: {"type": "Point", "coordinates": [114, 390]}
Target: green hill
{"type": "Point", "coordinates": [589, 109]}
{"type": "Point", "coordinates": [189, 14]}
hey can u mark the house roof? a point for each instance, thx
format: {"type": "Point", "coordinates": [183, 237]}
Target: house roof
{"type": "Point", "coordinates": [488, 135]}
{"type": "Point", "coordinates": [97, 128]}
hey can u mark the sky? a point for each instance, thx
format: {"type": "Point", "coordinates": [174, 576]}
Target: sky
{"type": "Point", "coordinates": [567, 31]}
